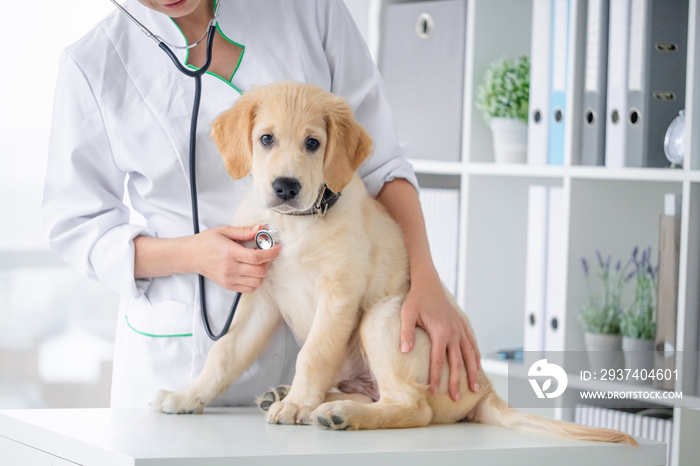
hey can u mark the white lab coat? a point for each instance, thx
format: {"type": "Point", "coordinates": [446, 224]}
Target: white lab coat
{"type": "Point", "coordinates": [122, 112]}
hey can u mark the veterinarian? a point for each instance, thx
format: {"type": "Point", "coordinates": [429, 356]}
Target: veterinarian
{"type": "Point", "coordinates": [120, 126]}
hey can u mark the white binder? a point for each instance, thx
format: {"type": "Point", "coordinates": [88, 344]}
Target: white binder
{"type": "Point", "coordinates": [595, 84]}
{"type": "Point", "coordinates": [555, 300]}
{"type": "Point", "coordinates": [618, 51]}
{"type": "Point", "coordinates": [441, 212]}
{"type": "Point", "coordinates": [538, 126]}
{"type": "Point", "coordinates": [536, 268]}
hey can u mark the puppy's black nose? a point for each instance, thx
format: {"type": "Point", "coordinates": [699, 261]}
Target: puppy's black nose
{"type": "Point", "coordinates": [286, 188]}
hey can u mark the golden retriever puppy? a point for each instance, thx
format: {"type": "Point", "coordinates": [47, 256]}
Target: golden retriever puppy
{"type": "Point", "coordinates": [339, 282]}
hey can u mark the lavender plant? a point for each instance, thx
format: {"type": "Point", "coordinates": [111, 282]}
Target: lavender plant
{"type": "Point", "coordinates": [505, 91]}
{"type": "Point", "coordinates": [639, 321]}
{"type": "Point", "coordinates": [602, 314]}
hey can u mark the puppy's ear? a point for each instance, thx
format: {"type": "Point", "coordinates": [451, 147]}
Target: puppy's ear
{"type": "Point", "coordinates": [348, 145]}
{"type": "Point", "coordinates": [232, 132]}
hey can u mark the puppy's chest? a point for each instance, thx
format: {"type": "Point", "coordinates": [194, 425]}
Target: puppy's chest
{"type": "Point", "coordinates": [293, 286]}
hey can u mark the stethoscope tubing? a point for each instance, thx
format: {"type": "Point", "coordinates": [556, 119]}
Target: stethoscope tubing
{"type": "Point", "coordinates": [197, 75]}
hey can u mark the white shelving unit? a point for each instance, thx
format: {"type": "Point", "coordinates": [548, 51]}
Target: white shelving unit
{"type": "Point", "coordinates": [609, 209]}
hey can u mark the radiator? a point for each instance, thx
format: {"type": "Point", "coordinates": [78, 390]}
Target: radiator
{"type": "Point", "coordinates": [644, 424]}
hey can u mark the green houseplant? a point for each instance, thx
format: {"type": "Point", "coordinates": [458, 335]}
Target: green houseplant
{"type": "Point", "coordinates": [503, 99]}
{"type": "Point", "coordinates": [638, 322]}
{"type": "Point", "coordinates": [601, 315]}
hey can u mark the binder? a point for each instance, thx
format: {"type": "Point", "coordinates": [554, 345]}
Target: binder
{"type": "Point", "coordinates": [557, 98]}
{"type": "Point", "coordinates": [538, 127]}
{"type": "Point", "coordinates": [656, 80]}
{"type": "Point", "coordinates": [667, 292]}
{"type": "Point", "coordinates": [536, 269]}
{"type": "Point", "coordinates": [595, 84]}
{"type": "Point", "coordinates": [566, 85]}
{"type": "Point", "coordinates": [654, 44]}
{"type": "Point", "coordinates": [555, 299]}
{"type": "Point", "coordinates": [441, 212]}
{"type": "Point", "coordinates": [616, 100]}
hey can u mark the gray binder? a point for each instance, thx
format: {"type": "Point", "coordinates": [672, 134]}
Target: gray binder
{"type": "Point", "coordinates": [595, 84]}
{"type": "Point", "coordinates": [421, 58]}
{"type": "Point", "coordinates": [656, 79]}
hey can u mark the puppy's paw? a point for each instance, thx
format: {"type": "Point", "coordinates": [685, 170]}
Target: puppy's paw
{"type": "Point", "coordinates": [285, 412]}
{"type": "Point", "coordinates": [265, 400]}
{"type": "Point", "coordinates": [335, 415]}
{"type": "Point", "coordinates": [176, 403]}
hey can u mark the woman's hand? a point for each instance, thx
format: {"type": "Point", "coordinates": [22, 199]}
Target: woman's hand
{"type": "Point", "coordinates": [218, 255]}
{"type": "Point", "coordinates": [426, 305]}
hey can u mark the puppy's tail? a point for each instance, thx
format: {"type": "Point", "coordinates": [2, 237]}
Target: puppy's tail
{"type": "Point", "coordinates": [495, 411]}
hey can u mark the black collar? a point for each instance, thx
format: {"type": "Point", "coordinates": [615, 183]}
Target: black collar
{"type": "Point", "coordinates": [325, 200]}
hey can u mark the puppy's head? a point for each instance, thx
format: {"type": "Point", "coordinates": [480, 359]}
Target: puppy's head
{"type": "Point", "coordinates": [292, 138]}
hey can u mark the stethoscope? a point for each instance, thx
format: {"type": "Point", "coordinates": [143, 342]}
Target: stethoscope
{"type": "Point", "coordinates": [263, 239]}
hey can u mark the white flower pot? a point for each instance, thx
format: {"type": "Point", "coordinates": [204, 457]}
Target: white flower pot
{"type": "Point", "coordinates": [639, 354]}
{"type": "Point", "coordinates": [509, 140]}
{"type": "Point", "coordinates": [604, 351]}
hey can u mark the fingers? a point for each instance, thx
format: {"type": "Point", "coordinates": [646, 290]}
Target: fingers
{"type": "Point", "coordinates": [437, 362]}
{"type": "Point", "coordinates": [239, 233]}
{"type": "Point", "coordinates": [408, 329]}
{"type": "Point", "coordinates": [256, 256]}
{"type": "Point", "coordinates": [468, 355]}
{"type": "Point", "coordinates": [475, 347]}
{"type": "Point", "coordinates": [454, 357]}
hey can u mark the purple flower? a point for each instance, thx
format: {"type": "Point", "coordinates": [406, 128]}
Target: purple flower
{"type": "Point", "coordinates": [584, 263]}
{"type": "Point", "coordinates": [600, 259]}
{"type": "Point", "coordinates": [618, 266]}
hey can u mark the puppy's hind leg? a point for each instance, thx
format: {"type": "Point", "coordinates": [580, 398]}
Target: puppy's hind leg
{"type": "Point", "coordinates": [402, 394]}
{"type": "Point", "coordinates": [273, 395]}
{"type": "Point", "coordinates": [254, 322]}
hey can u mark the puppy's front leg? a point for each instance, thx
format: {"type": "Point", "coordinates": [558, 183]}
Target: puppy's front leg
{"type": "Point", "coordinates": [319, 360]}
{"type": "Point", "coordinates": [255, 320]}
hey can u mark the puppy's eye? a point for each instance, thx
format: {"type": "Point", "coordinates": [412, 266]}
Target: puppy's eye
{"type": "Point", "coordinates": [266, 140]}
{"type": "Point", "coordinates": [312, 144]}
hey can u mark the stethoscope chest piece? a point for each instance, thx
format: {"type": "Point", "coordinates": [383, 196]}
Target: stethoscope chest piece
{"type": "Point", "coordinates": [263, 239]}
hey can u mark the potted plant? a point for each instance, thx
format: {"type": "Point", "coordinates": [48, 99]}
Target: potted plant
{"type": "Point", "coordinates": [638, 323]}
{"type": "Point", "coordinates": [601, 315]}
{"type": "Point", "coordinates": [503, 99]}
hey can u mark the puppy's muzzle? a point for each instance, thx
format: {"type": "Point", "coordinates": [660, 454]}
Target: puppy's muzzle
{"type": "Point", "coordinates": [286, 189]}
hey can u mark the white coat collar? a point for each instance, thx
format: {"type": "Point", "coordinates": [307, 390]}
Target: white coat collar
{"type": "Point", "coordinates": [163, 26]}
{"type": "Point", "coordinates": [170, 90]}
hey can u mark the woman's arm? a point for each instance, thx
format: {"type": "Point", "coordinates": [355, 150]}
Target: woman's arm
{"type": "Point", "coordinates": [215, 253]}
{"type": "Point", "coordinates": [426, 304]}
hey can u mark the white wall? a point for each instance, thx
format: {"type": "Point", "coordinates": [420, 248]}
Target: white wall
{"type": "Point", "coordinates": [40, 301]}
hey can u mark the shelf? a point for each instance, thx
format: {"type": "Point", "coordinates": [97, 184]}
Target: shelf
{"type": "Point", "coordinates": [438, 167]}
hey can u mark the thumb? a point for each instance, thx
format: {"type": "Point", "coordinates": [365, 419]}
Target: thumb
{"type": "Point", "coordinates": [408, 329]}
{"type": "Point", "coordinates": [240, 233]}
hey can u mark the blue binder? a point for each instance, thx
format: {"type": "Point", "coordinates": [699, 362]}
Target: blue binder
{"type": "Point", "coordinates": [558, 80]}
